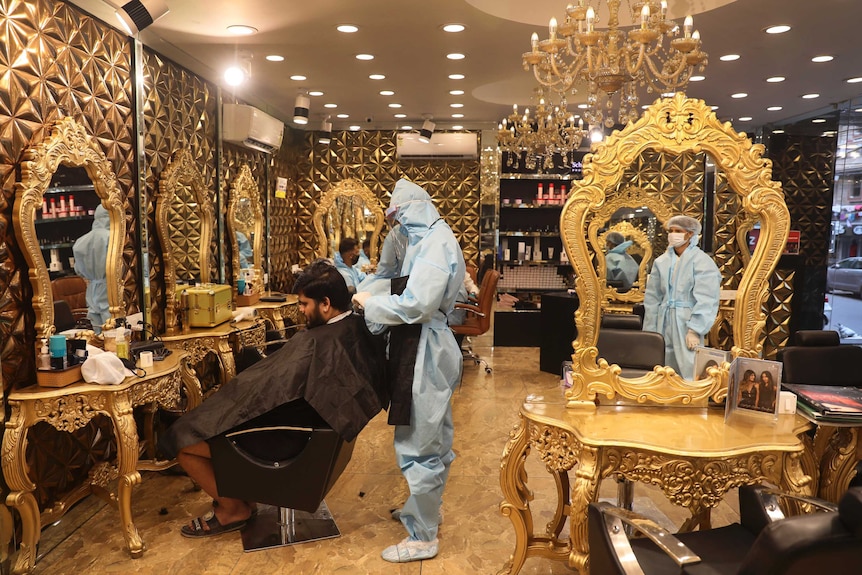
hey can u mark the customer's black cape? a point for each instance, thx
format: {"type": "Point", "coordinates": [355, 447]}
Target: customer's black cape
{"type": "Point", "coordinates": [337, 368]}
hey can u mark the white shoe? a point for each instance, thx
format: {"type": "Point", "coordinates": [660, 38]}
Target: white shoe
{"type": "Point", "coordinates": [410, 550]}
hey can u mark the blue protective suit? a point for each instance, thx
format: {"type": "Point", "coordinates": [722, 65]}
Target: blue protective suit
{"type": "Point", "coordinates": [621, 266]}
{"type": "Point", "coordinates": [363, 260]}
{"type": "Point", "coordinates": [246, 254]}
{"type": "Point", "coordinates": [435, 266]}
{"type": "Point", "coordinates": [352, 276]}
{"type": "Point", "coordinates": [389, 263]}
{"type": "Point", "coordinates": [681, 293]}
{"type": "Point", "coordinates": [91, 255]}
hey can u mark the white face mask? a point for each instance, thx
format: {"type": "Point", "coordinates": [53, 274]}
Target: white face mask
{"type": "Point", "coordinates": [675, 239]}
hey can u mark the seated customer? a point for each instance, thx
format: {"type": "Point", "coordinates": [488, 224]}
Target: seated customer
{"type": "Point", "coordinates": [345, 260]}
{"type": "Point", "coordinates": [330, 371]}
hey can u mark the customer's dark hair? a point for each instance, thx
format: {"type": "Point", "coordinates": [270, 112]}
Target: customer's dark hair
{"type": "Point", "coordinates": [347, 245]}
{"type": "Point", "coordinates": [321, 280]}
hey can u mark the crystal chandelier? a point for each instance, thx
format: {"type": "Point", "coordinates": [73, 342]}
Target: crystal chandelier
{"type": "Point", "coordinates": [615, 62]}
{"type": "Point", "coordinates": [551, 130]}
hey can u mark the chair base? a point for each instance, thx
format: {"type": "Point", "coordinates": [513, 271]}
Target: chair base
{"type": "Point", "coordinates": [279, 526]}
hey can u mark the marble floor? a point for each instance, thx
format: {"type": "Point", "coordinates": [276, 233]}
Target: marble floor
{"type": "Point", "coordinates": [474, 538]}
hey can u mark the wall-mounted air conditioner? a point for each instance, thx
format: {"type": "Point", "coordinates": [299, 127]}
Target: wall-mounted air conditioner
{"type": "Point", "coordinates": [248, 126]}
{"type": "Point", "coordinates": [443, 145]}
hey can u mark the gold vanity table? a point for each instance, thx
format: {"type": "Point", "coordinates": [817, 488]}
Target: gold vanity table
{"type": "Point", "coordinates": [836, 450]}
{"type": "Point", "coordinates": [273, 313]}
{"type": "Point", "coordinates": [688, 452]}
{"type": "Point", "coordinates": [72, 407]}
{"type": "Point", "coordinates": [222, 340]}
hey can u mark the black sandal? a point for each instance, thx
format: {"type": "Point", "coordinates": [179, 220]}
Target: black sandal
{"type": "Point", "coordinates": [213, 527]}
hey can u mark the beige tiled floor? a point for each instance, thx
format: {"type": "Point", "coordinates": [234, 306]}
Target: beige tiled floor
{"type": "Point", "coordinates": [475, 537]}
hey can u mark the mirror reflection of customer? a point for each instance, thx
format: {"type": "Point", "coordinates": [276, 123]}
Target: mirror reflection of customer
{"type": "Point", "coordinates": [681, 298]}
{"type": "Point", "coordinates": [364, 261]}
{"type": "Point", "coordinates": [622, 268]}
{"type": "Point", "coordinates": [749, 392]}
{"type": "Point", "coordinates": [91, 256]}
{"type": "Point", "coordinates": [345, 262]}
{"type": "Point", "coordinates": [246, 254]}
{"type": "Point", "coordinates": [767, 391]}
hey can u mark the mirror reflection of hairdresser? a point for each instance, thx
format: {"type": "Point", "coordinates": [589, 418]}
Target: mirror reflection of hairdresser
{"type": "Point", "coordinates": [246, 254]}
{"type": "Point", "coordinates": [91, 255]}
{"type": "Point", "coordinates": [622, 268]}
{"type": "Point", "coordinates": [681, 299]}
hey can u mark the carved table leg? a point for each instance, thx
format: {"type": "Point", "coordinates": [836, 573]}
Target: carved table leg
{"type": "Point", "coordinates": [838, 465]}
{"type": "Point", "coordinates": [226, 360]}
{"type": "Point", "coordinates": [127, 462]}
{"type": "Point", "coordinates": [555, 526]}
{"type": "Point", "coordinates": [21, 497]}
{"type": "Point", "coordinates": [513, 481]}
{"type": "Point", "coordinates": [585, 490]}
{"type": "Point", "coordinates": [194, 393]}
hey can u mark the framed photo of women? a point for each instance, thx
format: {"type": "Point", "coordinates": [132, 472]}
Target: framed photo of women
{"type": "Point", "coordinates": [753, 388]}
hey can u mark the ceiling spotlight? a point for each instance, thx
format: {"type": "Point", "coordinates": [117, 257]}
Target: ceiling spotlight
{"type": "Point", "coordinates": [854, 80]}
{"type": "Point", "coordinates": [330, 105]}
{"type": "Point", "coordinates": [364, 57]}
{"type": "Point", "coordinates": [275, 58]}
{"type": "Point", "coordinates": [729, 57]}
{"type": "Point", "coordinates": [456, 92]}
{"type": "Point", "coordinates": [780, 29]}
{"type": "Point", "coordinates": [819, 59]}
{"type": "Point", "coordinates": [773, 108]}
{"type": "Point", "coordinates": [739, 95]}
{"type": "Point", "coordinates": [745, 118]}
{"type": "Point", "coordinates": [377, 77]}
{"type": "Point", "coordinates": [453, 28]}
{"type": "Point", "coordinates": [355, 128]}
{"type": "Point", "coordinates": [298, 78]}
{"type": "Point", "coordinates": [315, 93]}
{"type": "Point", "coordinates": [347, 28]}
{"type": "Point", "coordinates": [426, 131]}
{"type": "Point", "coordinates": [300, 110]}
{"type": "Point", "coordinates": [775, 79]}
{"type": "Point", "coordinates": [697, 79]}
{"type": "Point", "coordinates": [138, 14]}
{"type": "Point", "coordinates": [456, 76]}
{"type": "Point", "coordinates": [342, 116]}
{"type": "Point", "coordinates": [387, 93]}
{"type": "Point", "coordinates": [810, 96]}
{"type": "Point", "coordinates": [455, 56]}
{"type": "Point", "coordinates": [234, 76]}
{"type": "Point", "coordinates": [596, 136]}
{"type": "Point", "coordinates": [400, 115]}
{"type": "Point", "coordinates": [241, 30]}
{"type": "Point", "coordinates": [325, 135]}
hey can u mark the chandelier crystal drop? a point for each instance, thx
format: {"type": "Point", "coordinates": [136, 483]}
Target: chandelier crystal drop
{"type": "Point", "coordinates": [551, 130]}
{"type": "Point", "coordinates": [613, 64]}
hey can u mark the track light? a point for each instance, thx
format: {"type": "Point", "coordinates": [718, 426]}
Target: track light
{"type": "Point", "coordinates": [426, 131]}
{"type": "Point", "coordinates": [138, 14]}
{"type": "Point", "coordinates": [300, 110]}
{"type": "Point", "coordinates": [325, 135]}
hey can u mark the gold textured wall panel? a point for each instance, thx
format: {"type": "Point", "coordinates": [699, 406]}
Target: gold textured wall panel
{"type": "Point", "coordinates": [282, 244]}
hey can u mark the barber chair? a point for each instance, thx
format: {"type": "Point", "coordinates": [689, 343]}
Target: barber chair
{"type": "Point", "coordinates": [765, 542]}
{"type": "Point", "coordinates": [622, 321]}
{"type": "Point", "coordinates": [636, 352]}
{"type": "Point", "coordinates": [818, 358]}
{"type": "Point", "coordinates": [478, 317]}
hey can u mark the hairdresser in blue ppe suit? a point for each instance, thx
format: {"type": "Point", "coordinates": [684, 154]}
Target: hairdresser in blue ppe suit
{"type": "Point", "coordinates": [681, 299]}
{"type": "Point", "coordinates": [91, 255]}
{"type": "Point", "coordinates": [434, 269]}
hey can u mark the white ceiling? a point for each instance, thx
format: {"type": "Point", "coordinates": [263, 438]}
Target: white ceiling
{"type": "Point", "coordinates": [410, 48]}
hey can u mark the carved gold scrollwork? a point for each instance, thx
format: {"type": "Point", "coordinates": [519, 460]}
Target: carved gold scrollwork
{"type": "Point", "coordinates": [102, 474]}
{"type": "Point", "coordinates": [164, 391]}
{"type": "Point", "coordinates": [557, 448]}
{"type": "Point", "coordinates": [675, 126]}
{"type": "Point", "coordinates": [245, 214]}
{"type": "Point", "coordinates": [348, 188]}
{"type": "Point", "coordinates": [70, 412]}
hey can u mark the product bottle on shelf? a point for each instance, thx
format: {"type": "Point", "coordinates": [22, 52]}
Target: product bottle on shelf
{"type": "Point", "coordinates": [540, 195]}
{"type": "Point", "coordinates": [562, 194]}
{"type": "Point", "coordinates": [72, 208]}
{"type": "Point", "coordinates": [53, 208]}
{"type": "Point", "coordinates": [551, 198]}
{"type": "Point", "coordinates": [63, 210]}
{"type": "Point", "coordinates": [46, 213]}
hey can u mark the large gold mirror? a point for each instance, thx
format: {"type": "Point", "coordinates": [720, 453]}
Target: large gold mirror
{"type": "Point", "coordinates": [348, 210]}
{"type": "Point", "coordinates": [245, 224]}
{"type": "Point", "coordinates": [184, 223]}
{"type": "Point", "coordinates": [674, 127]}
{"type": "Point", "coordinates": [47, 226]}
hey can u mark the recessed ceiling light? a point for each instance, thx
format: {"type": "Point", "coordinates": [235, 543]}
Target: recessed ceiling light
{"type": "Point", "coordinates": [644, 107]}
{"type": "Point", "coordinates": [387, 93]}
{"type": "Point", "coordinates": [330, 105]}
{"type": "Point", "coordinates": [729, 57]}
{"type": "Point", "coordinates": [744, 118]}
{"type": "Point", "coordinates": [456, 92]}
{"type": "Point", "coordinates": [739, 95]}
{"type": "Point", "coordinates": [275, 58]}
{"type": "Point", "coordinates": [456, 56]}
{"type": "Point", "coordinates": [400, 115]}
{"type": "Point", "coordinates": [241, 30]}
{"type": "Point", "coordinates": [818, 121]}
{"type": "Point", "coordinates": [457, 115]}
{"type": "Point", "coordinates": [773, 108]}
{"type": "Point", "coordinates": [355, 128]}
{"type": "Point", "coordinates": [854, 80]}
{"type": "Point", "coordinates": [343, 116]}
{"type": "Point", "coordinates": [779, 29]}
{"type": "Point", "coordinates": [775, 79]}
{"type": "Point", "coordinates": [364, 57]}
{"type": "Point", "coordinates": [777, 131]}
{"type": "Point", "coordinates": [347, 28]}
{"type": "Point", "coordinates": [697, 79]}
{"type": "Point", "coordinates": [713, 108]}
{"type": "Point", "coordinates": [453, 28]}
{"type": "Point", "coordinates": [810, 96]}
{"type": "Point", "coordinates": [456, 76]}
{"type": "Point", "coordinates": [377, 77]}
{"type": "Point", "coordinates": [822, 58]}
{"type": "Point", "coordinates": [456, 105]}
{"type": "Point", "coordinates": [406, 127]}
{"type": "Point", "coordinates": [315, 93]}
{"type": "Point", "coordinates": [457, 127]}
{"type": "Point", "coordinates": [583, 106]}
{"type": "Point", "coordinates": [298, 78]}
{"type": "Point", "coordinates": [394, 105]}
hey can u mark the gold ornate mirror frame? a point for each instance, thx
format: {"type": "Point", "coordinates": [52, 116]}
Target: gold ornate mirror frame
{"type": "Point", "coordinates": [242, 188]}
{"type": "Point", "coordinates": [350, 187]}
{"type": "Point", "coordinates": [67, 144]}
{"type": "Point", "coordinates": [194, 222]}
{"type": "Point", "coordinates": [672, 126]}
{"type": "Point", "coordinates": [630, 197]}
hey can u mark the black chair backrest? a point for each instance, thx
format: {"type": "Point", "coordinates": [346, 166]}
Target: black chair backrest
{"type": "Point", "coordinates": [63, 318]}
{"type": "Point", "coordinates": [635, 351]}
{"type": "Point", "coordinates": [622, 321]}
{"type": "Point", "coordinates": [819, 359]}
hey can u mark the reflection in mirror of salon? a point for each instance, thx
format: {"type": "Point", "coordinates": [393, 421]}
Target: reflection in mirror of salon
{"type": "Point", "coordinates": [244, 222]}
{"type": "Point", "coordinates": [73, 232]}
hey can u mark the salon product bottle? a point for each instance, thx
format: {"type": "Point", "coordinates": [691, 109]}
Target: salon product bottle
{"type": "Point", "coordinates": [552, 199]}
{"type": "Point", "coordinates": [540, 195]}
{"type": "Point", "coordinates": [122, 343]}
{"type": "Point", "coordinates": [45, 212]}
{"type": "Point", "coordinates": [63, 210]}
{"type": "Point", "coordinates": [44, 356]}
{"type": "Point", "coordinates": [562, 193]}
{"type": "Point", "coordinates": [71, 205]}
{"type": "Point", "coordinates": [53, 208]}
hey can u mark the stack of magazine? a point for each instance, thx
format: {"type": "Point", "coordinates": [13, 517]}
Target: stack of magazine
{"type": "Point", "coordinates": [828, 402]}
